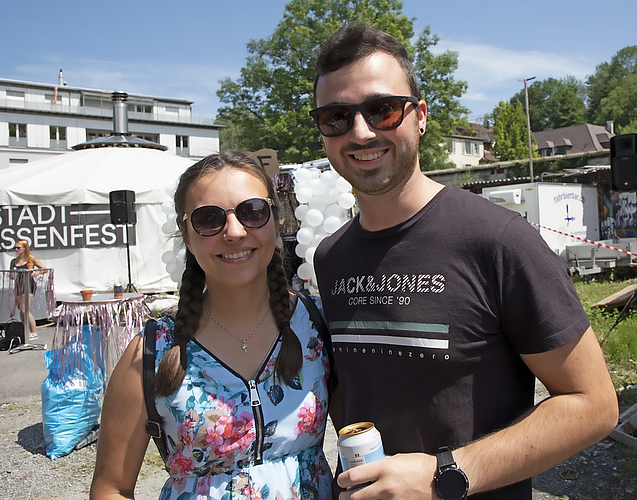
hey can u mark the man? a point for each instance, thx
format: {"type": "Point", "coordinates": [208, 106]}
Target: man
{"type": "Point", "coordinates": [442, 306]}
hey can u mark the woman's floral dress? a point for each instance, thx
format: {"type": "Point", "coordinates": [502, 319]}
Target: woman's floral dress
{"type": "Point", "coordinates": [231, 438]}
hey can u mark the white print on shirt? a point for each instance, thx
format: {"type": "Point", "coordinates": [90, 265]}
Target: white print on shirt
{"type": "Point", "coordinates": [389, 351]}
{"type": "Point", "coordinates": [416, 283]}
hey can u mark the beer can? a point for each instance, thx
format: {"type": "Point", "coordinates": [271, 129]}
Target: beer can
{"type": "Point", "coordinates": [359, 444]}
{"type": "Point", "coordinates": [118, 290]}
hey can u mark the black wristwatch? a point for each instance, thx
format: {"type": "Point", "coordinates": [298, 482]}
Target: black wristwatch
{"type": "Point", "coordinates": [451, 482]}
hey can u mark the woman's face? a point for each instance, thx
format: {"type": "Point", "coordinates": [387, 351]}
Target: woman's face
{"type": "Point", "coordinates": [19, 249]}
{"type": "Point", "coordinates": [236, 256]}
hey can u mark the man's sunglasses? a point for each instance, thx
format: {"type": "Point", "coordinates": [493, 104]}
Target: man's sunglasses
{"type": "Point", "coordinates": [211, 219]}
{"type": "Point", "coordinates": [383, 113]}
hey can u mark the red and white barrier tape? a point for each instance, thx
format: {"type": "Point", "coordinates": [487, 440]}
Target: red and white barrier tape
{"type": "Point", "coordinates": [584, 239]}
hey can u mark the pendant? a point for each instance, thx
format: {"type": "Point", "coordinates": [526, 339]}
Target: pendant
{"type": "Point", "coordinates": [244, 346]}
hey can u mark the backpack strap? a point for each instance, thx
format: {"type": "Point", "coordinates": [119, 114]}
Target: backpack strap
{"type": "Point", "coordinates": [321, 326]}
{"type": "Point", "coordinates": [153, 424]}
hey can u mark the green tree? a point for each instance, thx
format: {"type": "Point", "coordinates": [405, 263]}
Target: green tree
{"type": "Point", "coordinates": [510, 137]}
{"type": "Point", "coordinates": [268, 104]}
{"type": "Point", "coordinates": [621, 103]}
{"type": "Point", "coordinates": [441, 92]}
{"type": "Point", "coordinates": [607, 77]}
{"type": "Point", "coordinates": [554, 103]}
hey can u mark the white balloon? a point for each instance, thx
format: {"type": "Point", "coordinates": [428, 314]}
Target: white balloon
{"type": "Point", "coordinates": [167, 208]}
{"type": "Point", "coordinates": [304, 236]}
{"type": "Point", "coordinates": [168, 257]}
{"type": "Point", "coordinates": [169, 190]}
{"type": "Point", "coordinates": [181, 255]}
{"type": "Point", "coordinates": [305, 271]}
{"type": "Point", "coordinates": [301, 249]}
{"type": "Point", "coordinates": [335, 211]}
{"type": "Point", "coordinates": [342, 185]}
{"type": "Point", "coordinates": [309, 254]}
{"type": "Point", "coordinates": [331, 224]}
{"type": "Point", "coordinates": [303, 194]}
{"type": "Point", "coordinates": [314, 217]}
{"type": "Point", "coordinates": [318, 238]}
{"type": "Point", "coordinates": [327, 178]}
{"type": "Point", "coordinates": [331, 196]}
{"type": "Point", "coordinates": [301, 212]}
{"type": "Point", "coordinates": [302, 175]}
{"type": "Point", "coordinates": [169, 227]}
{"type": "Point", "coordinates": [171, 266]}
{"type": "Point", "coordinates": [346, 200]}
{"type": "Point", "coordinates": [317, 188]}
{"type": "Point", "coordinates": [176, 276]}
{"type": "Point", "coordinates": [318, 203]}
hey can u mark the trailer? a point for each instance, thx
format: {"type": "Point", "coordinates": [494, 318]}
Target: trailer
{"type": "Point", "coordinates": [566, 216]}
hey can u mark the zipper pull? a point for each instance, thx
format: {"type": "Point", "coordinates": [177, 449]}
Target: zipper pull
{"type": "Point", "coordinates": [254, 394]}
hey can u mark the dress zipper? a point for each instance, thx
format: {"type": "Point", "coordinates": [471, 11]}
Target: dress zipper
{"type": "Point", "coordinates": [255, 402]}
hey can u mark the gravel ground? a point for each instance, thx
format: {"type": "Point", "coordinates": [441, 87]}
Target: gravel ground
{"type": "Point", "coordinates": [605, 471]}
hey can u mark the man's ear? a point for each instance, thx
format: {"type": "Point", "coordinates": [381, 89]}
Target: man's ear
{"type": "Point", "coordinates": [422, 116]}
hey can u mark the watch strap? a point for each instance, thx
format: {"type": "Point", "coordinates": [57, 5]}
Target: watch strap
{"type": "Point", "coordinates": [445, 458]}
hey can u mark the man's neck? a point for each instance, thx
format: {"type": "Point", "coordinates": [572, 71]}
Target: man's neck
{"type": "Point", "coordinates": [389, 209]}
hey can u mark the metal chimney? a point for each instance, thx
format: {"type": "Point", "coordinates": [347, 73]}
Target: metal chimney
{"type": "Point", "coordinates": [120, 112]}
{"type": "Point", "coordinates": [61, 81]}
{"type": "Point", "coordinates": [121, 137]}
{"type": "Point", "coordinates": [610, 126]}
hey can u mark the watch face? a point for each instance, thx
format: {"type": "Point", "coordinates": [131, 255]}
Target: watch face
{"type": "Point", "coordinates": [452, 484]}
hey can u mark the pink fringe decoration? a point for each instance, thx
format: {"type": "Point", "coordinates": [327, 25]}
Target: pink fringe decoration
{"type": "Point", "coordinates": [111, 325]}
{"type": "Point", "coordinates": [44, 286]}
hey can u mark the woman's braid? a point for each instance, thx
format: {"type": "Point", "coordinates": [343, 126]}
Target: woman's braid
{"type": "Point", "coordinates": [172, 368]}
{"type": "Point", "coordinates": [290, 359]}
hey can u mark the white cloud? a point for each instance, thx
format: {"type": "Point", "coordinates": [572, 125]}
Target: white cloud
{"type": "Point", "coordinates": [493, 73]}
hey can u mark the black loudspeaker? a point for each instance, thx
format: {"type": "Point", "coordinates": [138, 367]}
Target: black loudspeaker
{"type": "Point", "coordinates": [122, 207]}
{"type": "Point", "coordinates": [623, 162]}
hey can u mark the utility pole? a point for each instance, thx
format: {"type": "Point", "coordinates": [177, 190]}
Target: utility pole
{"type": "Point", "coordinates": [528, 124]}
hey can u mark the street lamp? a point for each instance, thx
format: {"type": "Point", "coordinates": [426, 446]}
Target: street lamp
{"type": "Point", "coordinates": [528, 123]}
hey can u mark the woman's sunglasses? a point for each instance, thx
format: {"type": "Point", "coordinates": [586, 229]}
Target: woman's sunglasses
{"type": "Point", "coordinates": [211, 219]}
{"type": "Point", "coordinates": [383, 113]}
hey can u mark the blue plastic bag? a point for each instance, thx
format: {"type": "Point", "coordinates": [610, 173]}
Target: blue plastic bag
{"type": "Point", "coordinates": [71, 399]}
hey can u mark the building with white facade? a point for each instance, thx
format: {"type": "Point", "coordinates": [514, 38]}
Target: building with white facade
{"type": "Point", "coordinates": [470, 147]}
{"type": "Point", "coordinates": [39, 120]}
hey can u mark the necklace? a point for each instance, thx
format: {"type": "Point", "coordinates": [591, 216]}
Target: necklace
{"type": "Point", "coordinates": [244, 343]}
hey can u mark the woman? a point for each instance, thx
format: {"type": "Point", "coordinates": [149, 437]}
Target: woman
{"type": "Point", "coordinates": [24, 260]}
{"type": "Point", "coordinates": [241, 375]}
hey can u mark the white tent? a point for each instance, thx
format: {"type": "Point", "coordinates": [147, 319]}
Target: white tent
{"type": "Point", "coordinates": [32, 196]}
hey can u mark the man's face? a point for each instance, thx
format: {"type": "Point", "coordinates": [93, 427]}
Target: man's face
{"type": "Point", "coordinates": [373, 161]}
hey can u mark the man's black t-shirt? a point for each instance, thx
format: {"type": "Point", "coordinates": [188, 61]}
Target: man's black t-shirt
{"type": "Point", "coordinates": [428, 319]}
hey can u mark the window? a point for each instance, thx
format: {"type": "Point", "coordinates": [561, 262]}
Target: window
{"type": "Point", "coordinates": [52, 99]}
{"type": "Point", "coordinates": [182, 145]}
{"type": "Point", "coordinates": [15, 95]}
{"type": "Point", "coordinates": [18, 134]}
{"type": "Point", "coordinates": [58, 137]}
{"type": "Point", "coordinates": [18, 161]}
{"type": "Point", "coordinates": [172, 110]}
{"type": "Point", "coordinates": [147, 137]}
{"type": "Point", "coordinates": [141, 108]}
{"type": "Point", "coordinates": [94, 134]}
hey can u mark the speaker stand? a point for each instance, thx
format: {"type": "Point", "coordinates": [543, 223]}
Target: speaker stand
{"type": "Point", "coordinates": [130, 288]}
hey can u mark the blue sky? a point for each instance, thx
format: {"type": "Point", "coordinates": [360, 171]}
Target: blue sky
{"type": "Point", "coordinates": [182, 49]}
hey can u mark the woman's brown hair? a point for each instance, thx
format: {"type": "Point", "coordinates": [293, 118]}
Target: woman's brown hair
{"type": "Point", "coordinates": [172, 368]}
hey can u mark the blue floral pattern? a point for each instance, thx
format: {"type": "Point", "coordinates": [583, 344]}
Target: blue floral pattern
{"type": "Point", "coordinates": [228, 442]}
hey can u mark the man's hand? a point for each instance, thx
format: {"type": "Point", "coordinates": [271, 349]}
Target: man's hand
{"type": "Point", "coordinates": [406, 476]}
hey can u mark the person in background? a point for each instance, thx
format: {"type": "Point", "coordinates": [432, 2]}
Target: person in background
{"type": "Point", "coordinates": [24, 260]}
{"type": "Point", "coordinates": [442, 306]}
{"type": "Point", "coordinates": [241, 381]}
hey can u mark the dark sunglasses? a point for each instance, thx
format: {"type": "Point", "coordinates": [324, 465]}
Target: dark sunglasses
{"type": "Point", "coordinates": [17, 248]}
{"type": "Point", "coordinates": [211, 219]}
{"type": "Point", "coordinates": [382, 113]}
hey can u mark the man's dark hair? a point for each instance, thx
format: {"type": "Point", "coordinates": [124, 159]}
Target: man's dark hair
{"type": "Point", "coordinates": [356, 41]}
